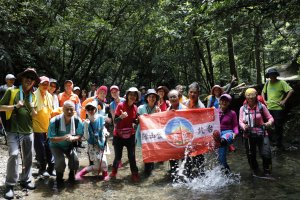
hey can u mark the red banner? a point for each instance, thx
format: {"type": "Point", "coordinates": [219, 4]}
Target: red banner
{"type": "Point", "coordinates": [166, 135]}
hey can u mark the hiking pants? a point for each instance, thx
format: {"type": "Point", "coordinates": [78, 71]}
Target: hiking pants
{"type": "Point", "coordinates": [59, 157]}
{"type": "Point", "coordinates": [14, 140]}
{"type": "Point", "coordinates": [277, 136]}
{"type": "Point", "coordinates": [129, 143]}
{"type": "Point", "coordinates": [263, 144]}
{"type": "Point", "coordinates": [43, 152]}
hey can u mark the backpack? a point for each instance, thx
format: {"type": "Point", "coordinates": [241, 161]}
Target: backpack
{"type": "Point", "coordinates": [260, 108]}
{"type": "Point", "coordinates": [11, 102]}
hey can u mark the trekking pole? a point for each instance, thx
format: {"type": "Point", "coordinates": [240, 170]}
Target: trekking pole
{"type": "Point", "coordinates": [99, 169]}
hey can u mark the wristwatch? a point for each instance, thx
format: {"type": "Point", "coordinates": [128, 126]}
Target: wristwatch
{"type": "Point", "coordinates": [15, 107]}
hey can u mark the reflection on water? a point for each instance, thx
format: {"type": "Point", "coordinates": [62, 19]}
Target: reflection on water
{"type": "Point", "coordinates": [213, 185]}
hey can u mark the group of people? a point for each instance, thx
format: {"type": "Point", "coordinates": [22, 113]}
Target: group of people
{"type": "Point", "coordinates": [55, 124]}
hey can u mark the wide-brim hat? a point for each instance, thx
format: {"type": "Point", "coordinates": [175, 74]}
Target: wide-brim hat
{"type": "Point", "coordinates": [151, 91]}
{"type": "Point", "coordinates": [134, 89]}
{"type": "Point", "coordinates": [27, 72]}
{"type": "Point", "coordinates": [215, 87]}
{"type": "Point", "coordinates": [272, 71]}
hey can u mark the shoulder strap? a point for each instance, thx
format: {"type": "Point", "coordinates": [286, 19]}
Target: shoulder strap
{"type": "Point", "coordinates": [266, 95]}
{"type": "Point", "coordinates": [76, 122]}
{"type": "Point", "coordinates": [11, 102]}
{"type": "Point", "coordinates": [56, 123]}
{"type": "Point", "coordinates": [57, 120]}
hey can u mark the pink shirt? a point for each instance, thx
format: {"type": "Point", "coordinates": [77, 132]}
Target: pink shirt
{"type": "Point", "coordinates": [254, 117]}
{"type": "Point", "coordinates": [228, 121]}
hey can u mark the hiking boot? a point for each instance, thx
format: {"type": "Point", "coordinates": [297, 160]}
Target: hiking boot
{"type": "Point", "coordinates": [52, 172]}
{"type": "Point", "coordinates": [59, 180]}
{"type": "Point", "coordinates": [9, 192]}
{"type": "Point", "coordinates": [28, 185]}
{"type": "Point", "coordinates": [71, 176]}
{"type": "Point", "coordinates": [135, 177]}
{"type": "Point", "coordinates": [113, 173]}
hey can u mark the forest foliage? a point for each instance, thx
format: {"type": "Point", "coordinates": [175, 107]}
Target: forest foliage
{"type": "Point", "coordinates": [140, 42]}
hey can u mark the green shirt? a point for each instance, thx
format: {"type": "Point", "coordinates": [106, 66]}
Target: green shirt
{"type": "Point", "coordinates": [21, 119]}
{"type": "Point", "coordinates": [276, 93]}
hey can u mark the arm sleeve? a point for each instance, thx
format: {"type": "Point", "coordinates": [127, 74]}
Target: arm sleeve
{"type": "Point", "coordinates": [235, 123]}
{"type": "Point", "coordinates": [286, 86]}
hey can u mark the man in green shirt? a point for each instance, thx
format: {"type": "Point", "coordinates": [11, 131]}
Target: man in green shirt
{"type": "Point", "coordinates": [276, 93]}
{"type": "Point", "coordinates": [18, 105]}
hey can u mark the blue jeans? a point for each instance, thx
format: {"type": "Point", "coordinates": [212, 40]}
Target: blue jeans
{"type": "Point", "coordinates": [222, 151]}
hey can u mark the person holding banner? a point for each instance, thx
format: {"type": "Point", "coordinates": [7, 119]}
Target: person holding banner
{"type": "Point", "coordinates": [229, 129]}
{"type": "Point", "coordinates": [124, 133]}
{"type": "Point", "coordinates": [175, 105]}
{"type": "Point", "coordinates": [151, 99]}
{"type": "Point", "coordinates": [192, 103]}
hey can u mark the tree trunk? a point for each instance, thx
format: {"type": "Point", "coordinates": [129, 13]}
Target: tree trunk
{"type": "Point", "coordinates": [210, 65]}
{"type": "Point", "coordinates": [230, 50]}
{"type": "Point", "coordinates": [257, 49]}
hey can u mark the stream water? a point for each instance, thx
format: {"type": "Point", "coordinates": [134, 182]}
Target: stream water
{"type": "Point", "coordinates": [213, 185]}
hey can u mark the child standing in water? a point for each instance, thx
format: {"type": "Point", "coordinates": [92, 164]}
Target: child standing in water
{"type": "Point", "coordinates": [95, 133]}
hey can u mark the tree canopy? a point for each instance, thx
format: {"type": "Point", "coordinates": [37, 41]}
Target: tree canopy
{"type": "Point", "coordinates": [137, 42]}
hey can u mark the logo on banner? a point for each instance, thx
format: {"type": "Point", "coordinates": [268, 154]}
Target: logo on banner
{"type": "Point", "coordinates": [179, 132]}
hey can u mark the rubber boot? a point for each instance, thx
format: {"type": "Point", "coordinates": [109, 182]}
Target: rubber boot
{"type": "Point", "coordinates": [105, 176]}
{"type": "Point", "coordinates": [59, 179]}
{"type": "Point", "coordinates": [79, 175]}
{"type": "Point", "coordinates": [113, 173]}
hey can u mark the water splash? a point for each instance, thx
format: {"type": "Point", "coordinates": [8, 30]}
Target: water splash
{"type": "Point", "coordinates": [209, 180]}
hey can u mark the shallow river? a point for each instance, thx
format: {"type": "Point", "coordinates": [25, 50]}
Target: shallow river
{"type": "Point", "coordinates": [213, 185]}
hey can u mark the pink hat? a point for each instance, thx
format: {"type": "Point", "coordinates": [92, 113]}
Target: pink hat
{"type": "Point", "coordinates": [114, 87]}
{"type": "Point", "coordinates": [226, 96]}
{"type": "Point", "coordinates": [44, 79]}
{"type": "Point", "coordinates": [102, 87]}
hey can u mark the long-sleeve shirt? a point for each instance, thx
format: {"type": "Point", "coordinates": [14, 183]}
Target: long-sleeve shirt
{"type": "Point", "coordinates": [228, 121]}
